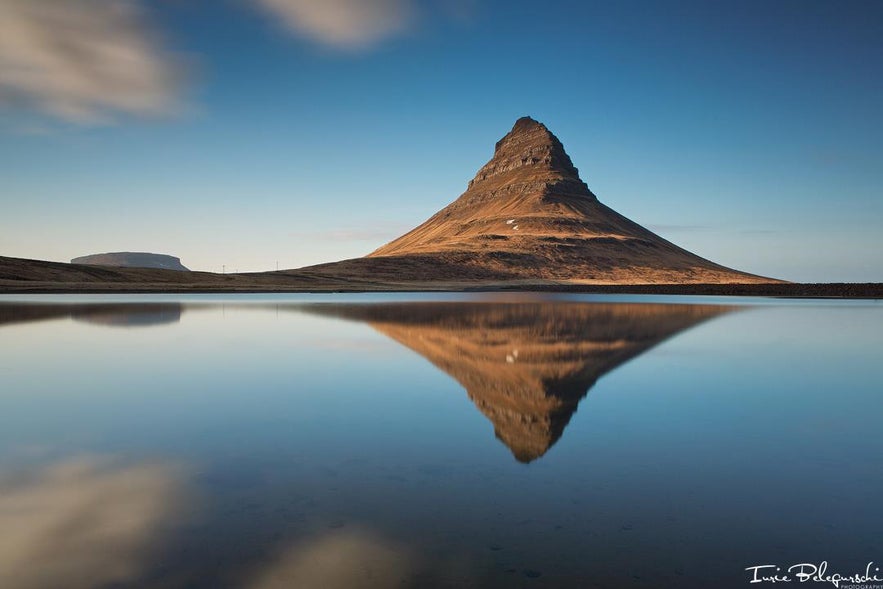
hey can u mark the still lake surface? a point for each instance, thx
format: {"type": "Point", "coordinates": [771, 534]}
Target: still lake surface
{"type": "Point", "coordinates": [332, 441]}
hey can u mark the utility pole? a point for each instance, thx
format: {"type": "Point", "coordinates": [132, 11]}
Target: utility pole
{"type": "Point", "coordinates": [277, 265]}
{"type": "Point", "coordinates": [223, 268]}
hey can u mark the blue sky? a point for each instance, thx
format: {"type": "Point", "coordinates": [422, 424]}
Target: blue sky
{"type": "Point", "coordinates": [240, 133]}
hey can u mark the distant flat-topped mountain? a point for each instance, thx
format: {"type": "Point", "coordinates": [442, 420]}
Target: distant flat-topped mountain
{"type": "Point", "coordinates": [132, 260]}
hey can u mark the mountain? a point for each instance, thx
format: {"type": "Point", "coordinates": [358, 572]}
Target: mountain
{"type": "Point", "coordinates": [132, 260]}
{"type": "Point", "coordinates": [528, 215]}
{"type": "Point", "coordinates": [526, 366]}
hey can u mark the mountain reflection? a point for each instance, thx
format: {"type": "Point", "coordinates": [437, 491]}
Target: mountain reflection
{"type": "Point", "coordinates": [111, 315]}
{"type": "Point", "coordinates": [526, 366]}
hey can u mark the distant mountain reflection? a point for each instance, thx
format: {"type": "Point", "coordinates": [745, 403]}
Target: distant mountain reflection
{"type": "Point", "coordinates": [107, 314]}
{"type": "Point", "coordinates": [526, 366]}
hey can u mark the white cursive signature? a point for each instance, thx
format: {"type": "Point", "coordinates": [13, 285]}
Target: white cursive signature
{"type": "Point", "coordinates": [806, 571]}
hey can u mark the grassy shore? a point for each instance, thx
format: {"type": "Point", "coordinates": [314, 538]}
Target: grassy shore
{"type": "Point", "coordinates": [21, 276]}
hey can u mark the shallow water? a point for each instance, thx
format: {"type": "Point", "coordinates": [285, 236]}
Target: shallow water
{"type": "Point", "coordinates": [331, 441]}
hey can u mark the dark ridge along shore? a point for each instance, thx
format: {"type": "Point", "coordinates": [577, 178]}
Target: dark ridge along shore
{"type": "Point", "coordinates": [22, 276]}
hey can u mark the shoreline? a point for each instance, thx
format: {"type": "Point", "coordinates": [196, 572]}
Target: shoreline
{"type": "Point", "coordinates": [22, 276]}
{"type": "Point", "coordinates": [867, 291]}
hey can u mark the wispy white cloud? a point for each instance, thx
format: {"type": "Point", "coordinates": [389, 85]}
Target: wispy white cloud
{"type": "Point", "coordinates": [85, 60]}
{"type": "Point", "coordinates": [760, 231]}
{"type": "Point", "coordinates": [365, 234]}
{"type": "Point", "coordinates": [369, 232]}
{"type": "Point", "coordinates": [668, 228]}
{"type": "Point", "coordinates": [348, 24]}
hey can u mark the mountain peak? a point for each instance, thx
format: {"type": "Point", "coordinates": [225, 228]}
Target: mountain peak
{"type": "Point", "coordinates": [526, 124]}
{"type": "Point", "coordinates": [528, 150]}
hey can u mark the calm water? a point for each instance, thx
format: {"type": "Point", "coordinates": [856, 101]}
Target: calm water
{"type": "Point", "coordinates": [436, 441]}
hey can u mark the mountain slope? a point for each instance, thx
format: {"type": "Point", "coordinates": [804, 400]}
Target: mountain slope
{"type": "Point", "coordinates": [528, 215]}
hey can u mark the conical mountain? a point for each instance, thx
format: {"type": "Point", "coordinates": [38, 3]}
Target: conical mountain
{"type": "Point", "coordinates": [528, 215]}
{"type": "Point", "coordinates": [526, 366]}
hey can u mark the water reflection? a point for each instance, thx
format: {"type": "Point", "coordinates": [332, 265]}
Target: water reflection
{"type": "Point", "coordinates": [326, 457]}
{"type": "Point", "coordinates": [339, 560]}
{"type": "Point", "coordinates": [86, 522]}
{"type": "Point", "coordinates": [526, 366]}
{"type": "Point", "coordinates": [111, 315]}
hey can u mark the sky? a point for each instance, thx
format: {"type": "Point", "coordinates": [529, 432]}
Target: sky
{"type": "Point", "coordinates": [242, 134]}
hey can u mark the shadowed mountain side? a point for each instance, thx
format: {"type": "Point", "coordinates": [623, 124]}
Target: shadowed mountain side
{"type": "Point", "coordinates": [526, 366]}
{"type": "Point", "coordinates": [541, 263]}
{"type": "Point", "coordinates": [112, 315]}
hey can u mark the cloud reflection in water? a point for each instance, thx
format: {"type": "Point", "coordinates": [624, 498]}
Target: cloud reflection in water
{"type": "Point", "coordinates": [86, 522]}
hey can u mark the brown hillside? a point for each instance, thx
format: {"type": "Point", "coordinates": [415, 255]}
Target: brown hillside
{"type": "Point", "coordinates": [528, 215]}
